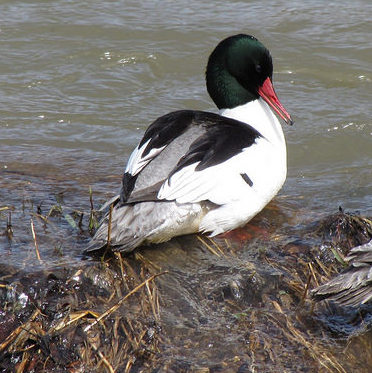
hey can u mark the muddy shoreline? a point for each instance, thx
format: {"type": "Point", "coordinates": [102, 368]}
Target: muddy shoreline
{"type": "Point", "coordinates": [238, 303]}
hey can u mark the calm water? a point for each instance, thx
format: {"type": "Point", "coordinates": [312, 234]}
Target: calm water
{"type": "Point", "coordinates": [79, 83]}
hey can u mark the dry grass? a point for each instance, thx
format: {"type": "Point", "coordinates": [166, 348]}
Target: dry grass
{"type": "Point", "coordinates": [107, 315]}
{"type": "Point", "coordinates": [83, 336]}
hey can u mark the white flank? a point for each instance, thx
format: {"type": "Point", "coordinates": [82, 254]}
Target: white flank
{"type": "Point", "coordinates": [264, 163]}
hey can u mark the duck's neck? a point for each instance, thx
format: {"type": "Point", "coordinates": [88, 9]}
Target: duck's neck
{"type": "Point", "coordinates": [258, 115]}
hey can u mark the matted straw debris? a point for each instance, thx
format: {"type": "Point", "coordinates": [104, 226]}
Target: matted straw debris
{"type": "Point", "coordinates": [193, 305]}
{"type": "Point", "coordinates": [92, 329]}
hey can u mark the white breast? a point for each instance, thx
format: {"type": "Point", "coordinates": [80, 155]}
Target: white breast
{"type": "Point", "coordinates": [265, 163]}
{"type": "Point", "coordinates": [258, 115]}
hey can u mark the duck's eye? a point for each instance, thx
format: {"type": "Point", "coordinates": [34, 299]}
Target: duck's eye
{"type": "Point", "coordinates": [258, 68]}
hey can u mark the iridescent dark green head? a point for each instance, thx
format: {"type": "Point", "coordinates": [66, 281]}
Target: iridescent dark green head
{"type": "Point", "coordinates": [237, 67]}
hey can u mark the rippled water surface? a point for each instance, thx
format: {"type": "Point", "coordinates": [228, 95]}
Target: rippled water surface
{"type": "Point", "coordinates": [81, 81]}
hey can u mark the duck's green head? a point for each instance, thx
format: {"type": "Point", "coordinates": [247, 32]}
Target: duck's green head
{"type": "Point", "coordinates": [240, 70]}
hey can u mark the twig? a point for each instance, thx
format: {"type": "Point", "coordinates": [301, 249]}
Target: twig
{"type": "Point", "coordinates": [209, 247]}
{"type": "Point", "coordinates": [119, 258]}
{"type": "Point", "coordinates": [216, 246]}
{"type": "Point", "coordinates": [103, 358]}
{"type": "Point", "coordinates": [92, 224]}
{"type": "Point", "coordinates": [91, 198]}
{"type": "Point", "coordinates": [9, 227]}
{"type": "Point", "coordinates": [16, 331]}
{"type": "Point", "coordinates": [109, 226]}
{"type": "Point", "coordinates": [118, 304]}
{"type": "Point", "coordinates": [20, 368]}
{"type": "Point", "coordinates": [313, 274]}
{"type": "Point", "coordinates": [309, 277]}
{"type": "Point", "coordinates": [77, 316]}
{"type": "Point", "coordinates": [152, 301]}
{"type": "Point", "coordinates": [35, 241]}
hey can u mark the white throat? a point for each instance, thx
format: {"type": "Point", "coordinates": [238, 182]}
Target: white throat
{"type": "Point", "coordinates": [258, 115]}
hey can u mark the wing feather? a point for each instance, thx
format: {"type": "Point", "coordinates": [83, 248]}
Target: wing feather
{"type": "Point", "coordinates": [189, 156]}
{"type": "Point", "coordinates": [212, 167]}
{"type": "Point", "coordinates": [219, 184]}
{"type": "Point", "coordinates": [138, 159]}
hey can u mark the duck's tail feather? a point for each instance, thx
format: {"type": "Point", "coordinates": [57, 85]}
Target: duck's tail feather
{"type": "Point", "coordinates": [133, 225]}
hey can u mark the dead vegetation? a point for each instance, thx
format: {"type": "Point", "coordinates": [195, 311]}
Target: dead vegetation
{"type": "Point", "coordinates": [192, 305]}
{"type": "Point", "coordinates": [113, 325]}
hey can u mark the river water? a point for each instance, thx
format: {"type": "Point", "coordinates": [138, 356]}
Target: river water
{"type": "Point", "coordinates": [81, 81]}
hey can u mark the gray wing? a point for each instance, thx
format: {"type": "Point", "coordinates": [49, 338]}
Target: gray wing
{"type": "Point", "coordinates": [178, 140]}
{"type": "Point", "coordinates": [163, 144]}
{"type": "Point", "coordinates": [353, 286]}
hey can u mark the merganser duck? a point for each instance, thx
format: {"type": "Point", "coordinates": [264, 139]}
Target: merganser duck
{"type": "Point", "coordinates": [196, 171]}
{"type": "Point", "coordinates": [353, 286]}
